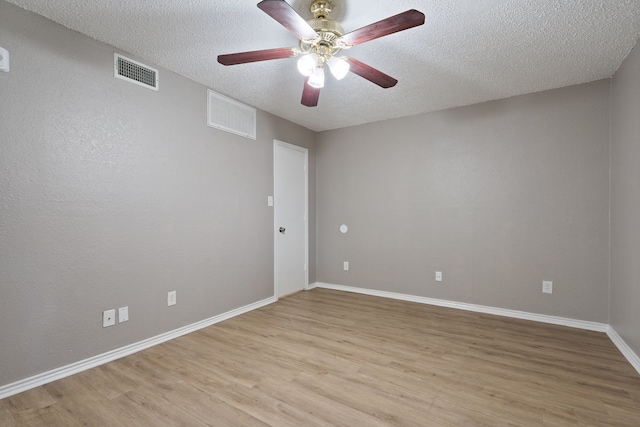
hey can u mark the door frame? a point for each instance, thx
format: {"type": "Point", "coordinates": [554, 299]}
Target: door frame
{"type": "Point", "coordinates": [305, 151]}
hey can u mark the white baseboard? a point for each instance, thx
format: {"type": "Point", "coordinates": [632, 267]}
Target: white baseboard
{"type": "Point", "coordinates": [83, 365]}
{"type": "Point", "coordinates": [101, 359]}
{"type": "Point", "coordinates": [563, 321]}
{"type": "Point", "coordinates": [626, 351]}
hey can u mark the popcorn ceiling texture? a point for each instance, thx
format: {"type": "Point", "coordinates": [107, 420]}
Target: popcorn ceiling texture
{"type": "Point", "coordinates": [468, 51]}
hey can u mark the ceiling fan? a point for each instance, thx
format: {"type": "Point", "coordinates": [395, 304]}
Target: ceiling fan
{"type": "Point", "coordinates": [321, 39]}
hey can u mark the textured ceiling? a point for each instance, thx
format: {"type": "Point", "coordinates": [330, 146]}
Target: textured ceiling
{"type": "Point", "coordinates": [468, 51]}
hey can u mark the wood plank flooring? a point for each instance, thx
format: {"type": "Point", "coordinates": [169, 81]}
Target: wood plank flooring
{"type": "Point", "coordinates": [327, 358]}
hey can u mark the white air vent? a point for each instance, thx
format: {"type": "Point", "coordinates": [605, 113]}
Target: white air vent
{"type": "Point", "coordinates": [135, 72]}
{"type": "Point", "coordinates": [231, 116]}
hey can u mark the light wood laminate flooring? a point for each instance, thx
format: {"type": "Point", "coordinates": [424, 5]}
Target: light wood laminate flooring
{"type": "Point", "coordinates": [328, 358]}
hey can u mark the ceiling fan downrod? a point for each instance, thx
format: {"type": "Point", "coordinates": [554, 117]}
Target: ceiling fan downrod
{"type": "Point", "coordinates": [321, 8]}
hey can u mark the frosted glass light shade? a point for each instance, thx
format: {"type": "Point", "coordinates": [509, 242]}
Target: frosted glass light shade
{"type": "Point", "coordinates": [316, 79]}
{"type": "Point", "coordinates": [339, 67]}
{"type": "Point", "coordinates": [307, 63]}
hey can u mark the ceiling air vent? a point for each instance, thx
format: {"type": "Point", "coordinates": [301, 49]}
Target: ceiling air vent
{"type": "Point", "coordinates": [135, 72]}
{"type": "Point", "coordinates": [230, 115]}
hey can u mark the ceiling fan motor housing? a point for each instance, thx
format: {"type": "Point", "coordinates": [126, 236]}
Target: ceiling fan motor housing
{"type": "Point", "coordinates": [329, 31]}
{"type": "Point", "coordinates": [324, 25]}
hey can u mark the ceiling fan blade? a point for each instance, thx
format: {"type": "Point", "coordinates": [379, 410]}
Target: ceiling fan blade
{"type": "Point", "coordinates": [403, 21]}
{"type": "Point", "coordinates": [375, 76]}
{"type": "Point", "coordinates": [256, 56]}
{"type": "Point", "coordinates": [288, 17]}
{"type": "Point", "coordinates": [310, 95]}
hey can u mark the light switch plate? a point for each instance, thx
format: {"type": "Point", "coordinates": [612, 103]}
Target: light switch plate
{"type": "Point", "coordinates": [4, 60]}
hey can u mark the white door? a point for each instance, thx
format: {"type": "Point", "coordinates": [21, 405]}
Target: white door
{"type": "Point", "coordinates": [291, 218]}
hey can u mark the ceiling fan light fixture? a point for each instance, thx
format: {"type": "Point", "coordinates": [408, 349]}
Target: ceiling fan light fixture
{"type": "Point", "coordinates": [307, 63]}
{"type": "Point", "coordinates": [316, 79]}
{"type": "Point", "coordinates": [339, 67]}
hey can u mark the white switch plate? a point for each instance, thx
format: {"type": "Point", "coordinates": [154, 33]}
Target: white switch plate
{"type": "Point", "coordinates": [547, 287]}
{"type": "Point", "coordinates": [346, 266]}
{"type": "Point", "coordinates": [108, 318]}
{"type": "Point", "coordinates": [123, 314]}
{"type": "Point", "coordinates": [438, 276]}
{"type": "Point", "coordinates": [270, 201]}
{"type": "Point", "coordinates": [4, 60]}
{"type": "Point", "coordinates": [171, 298]}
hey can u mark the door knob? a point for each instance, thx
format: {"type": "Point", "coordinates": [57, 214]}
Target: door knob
{"type": "Point", "coordinates": [282, 230]}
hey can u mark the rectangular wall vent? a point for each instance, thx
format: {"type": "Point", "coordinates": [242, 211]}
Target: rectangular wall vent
{"type": "Point", "coordinates": [230, 115]}
{"type": "Point", "coordinates": [135, 72]}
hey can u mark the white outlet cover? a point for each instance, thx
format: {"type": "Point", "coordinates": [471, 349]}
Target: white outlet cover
{"type": "Point", "coordinates": [123, 314]}
{"type": "Point", "coordinates": [346, 266]}
{"type": "Point", "coordinates": [4, 60]}
{"type": "Point", "coordinates": [171, 298]}
{"type": "Point", "coordinates": [547, 287]}
{"type": "Point", "coordinates": [438, 276]}
{"type": "Point", "coordinates": [108, 318]}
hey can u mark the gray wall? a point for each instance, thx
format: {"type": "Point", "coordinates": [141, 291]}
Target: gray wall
{"type": "Point", "coordinates": [499, 196]}
{"type": "Point", "coordinates": [112, 194]}
{"type": "Point", "coordinates": [625, 201]}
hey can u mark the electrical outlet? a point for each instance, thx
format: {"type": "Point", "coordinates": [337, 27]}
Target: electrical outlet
{"type": "Point", "coordinates": [346, 266]}
{"type": "Point", "coordinates": [108, 318]}
{"type": "Point", "coordinates": [438, 276]}
{"type": "Point", "coordinates": [123, 314]}
{"type": "Point", "coordinates": [171, 298]}
{"type": "Point", "coordinates": [547, 287]}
